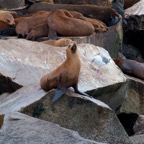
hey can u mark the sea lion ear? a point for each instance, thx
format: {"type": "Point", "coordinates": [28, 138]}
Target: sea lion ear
{"type": "Point", "coordinates": [74, 47]}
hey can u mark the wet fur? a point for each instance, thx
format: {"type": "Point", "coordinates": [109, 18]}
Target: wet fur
{"type": "Point", "coordinates": [131, 67]}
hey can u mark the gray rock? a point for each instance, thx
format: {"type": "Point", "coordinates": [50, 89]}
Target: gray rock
{"type": "Point", "coordinates": [137, 139]}
{"type": "Point", "coordinates": [25, 62]}
{"type": "Point", "coordinates": [139, 125]}
{"type": "Point", "coordinates": [91, 118]}
{"type": "Point", "coordinates": [21, 129]}
{"type": "Point", "coordinates": [135, 16]}
{"type": "Point", "coordinates": [94, 2]}
{"type": "Point", "coordinates": [8, 4]}
{"type": "Point", "coordinates": [134, 102]}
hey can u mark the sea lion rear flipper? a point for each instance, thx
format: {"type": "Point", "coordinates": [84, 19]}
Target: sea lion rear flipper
{"type": "Point", "coordinates": [61, 87]}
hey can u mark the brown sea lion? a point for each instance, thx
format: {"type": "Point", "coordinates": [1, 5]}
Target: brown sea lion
{"type": "Point", "coordinates": [129, 3]}
{"type": "Point", "coordinates": [40, 30]}
{"type": "Point", "coordinates": [58, 43]}
{"type": "Point", "coordinates": [60, 23]}
{"type": "Point", "coordinates": [64, 76]}
{"type": "Point", "coordinates": [131, 67]}
{"type": "Point", "coordinates": [98, 25]}
{"type": "Point", "coordinates": [105, 14]}
{"type": "Point", "coordinates": [27, 16]}
{"type": "Point", "coordinates": [3, 25]}
{"type": "Point", "coordinates": [25, 24]}
{"type": "Point", "coordinates": [7, 18]}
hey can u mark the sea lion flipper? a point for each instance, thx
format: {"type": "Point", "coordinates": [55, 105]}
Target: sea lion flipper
{"type": "Point", "coordinates": [58, 93]}
{"type": "Point", "coordinates": [61, 87]}
{"type": "Point", "coordinates": [77, 91]}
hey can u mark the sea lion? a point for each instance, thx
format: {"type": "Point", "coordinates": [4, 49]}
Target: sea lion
{"type": "Point", "coordinates": [105, 14]}
{"type": "Point", "coordinates": [3, 25]}
{"type": "Point", "coordinates": [25, 24]}
{"type": "Point", "coordinates": [40, 30]}
{"type": "Point", "coordinates": [58, 43]}
{"type": "Point", "coordinates": [60, 23]}
{"type": "Point", "coordinates": [7, 18]}
{"type": "Point", "coordinates": [64, 76]}
{"type": "Point", "coordinates": [129, 3]}
{"type": "Point", "coordinates": [98, 25]}
{"type": "Point", "coordinates": [131, 67]}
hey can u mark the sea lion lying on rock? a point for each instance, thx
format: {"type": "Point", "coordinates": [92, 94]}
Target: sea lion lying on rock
{"type": "Point", "coordinates": [7, 18]}
{"type": "Point", "coordinates": [64, 76]}
{"type": "Point", "coordinates": [58, 43]}
{"type": "Point", "coordinates": [105, 14]}
{"type": "Point", "coordinates": [98, 25]}
{"type": "Point", "coordinates": [40, 30]}
{"type": "Point", "coordinates": [25, 24]}
{"type": "Point", "coordinates": [59, 22]}
{"type": "Point", "coordinates": [131, 67]}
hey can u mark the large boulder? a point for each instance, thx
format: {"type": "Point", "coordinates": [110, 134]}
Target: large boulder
{"type": "Point", "coordinates": [94, 2]}
{"type": "Point", "coordinates": [10, 4]}
{"type": "Point", "coordinates": [91, 118]}
{"type": "Point", "coordinates": [134, 102]}
{"type": "Point", "coordinates": [21, 129]}
{"type": "Point", "coordinates": [135, 16]}
{"type": "Point", "coordinates": [138, 137]}
{"type": "Point", "coordinates": [25, 62]}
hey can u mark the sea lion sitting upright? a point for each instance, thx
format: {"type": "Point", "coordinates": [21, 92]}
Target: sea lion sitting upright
{"type": "Point", "coordinates": [62, 22]}
{"type": "Point", "coordinates": [64, 76]}
{"type": "Point", "coordinates": [131, 67]}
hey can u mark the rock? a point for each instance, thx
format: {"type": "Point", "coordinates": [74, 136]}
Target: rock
{"type": "Point", "coordinates": [137, 139]}
{"type": "Point", "coordinates": [8, 4]}
{"type": "Point", "coordinates": [135, 16]}
{"type": "Point", "coordinates": [139, 125]}
{"type": "Point", "coordinates": [128, 121]}
{"type": "Point", "coordinates": [19, 128]}
{"type": "Point", "coordinates": [91, 118]}
{"type": "Point", "coordinates": [7, 85]}
{"type": "Point", "coordinates": [135, 102]}
{"type": "Point", "coordinates": [25, 62]}
{"type": "Point", "coordinates": [94, 2]}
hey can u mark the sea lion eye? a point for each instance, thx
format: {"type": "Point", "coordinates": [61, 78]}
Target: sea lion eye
{"type": "Point", "coordinates": [8, 21]}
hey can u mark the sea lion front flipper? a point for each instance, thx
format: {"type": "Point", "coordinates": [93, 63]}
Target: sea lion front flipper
{"type": "Point", "coordinates": [77, 91]}
{"type": "Point", "coordinates": [61, 87]}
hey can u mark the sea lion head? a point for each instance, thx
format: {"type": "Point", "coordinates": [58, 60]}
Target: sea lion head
{"type": "Point", "coordinates": [72, 48]}
{"type": "Point", "coordinates": [7, 18]}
